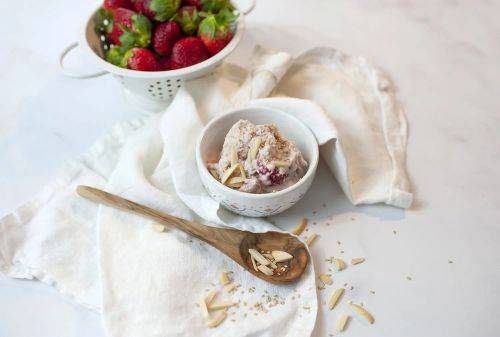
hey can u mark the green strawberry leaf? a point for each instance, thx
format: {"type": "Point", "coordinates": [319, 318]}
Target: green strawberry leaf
{"type": "Point", "coordinates": [208, 27]}
{"type": "Point", "coordinates": [114, 56]}
{"type": "Point", "coordinates": [139, 36]}
{"type": "Point", "coordinates": [164, 9]}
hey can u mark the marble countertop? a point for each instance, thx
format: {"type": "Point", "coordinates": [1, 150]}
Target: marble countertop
{"type": "Point", "coordinates": [432, 270]}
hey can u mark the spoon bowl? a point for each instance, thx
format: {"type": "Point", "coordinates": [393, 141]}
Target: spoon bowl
{"type": "Point", "coordinates": [232, 242]}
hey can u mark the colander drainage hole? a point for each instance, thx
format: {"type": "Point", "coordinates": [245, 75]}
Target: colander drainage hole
{"type": "Point", "coordinates": [150, 90]}
{"type": "Point", "coordinates": [151, 86]}
{"type": "Point", "coordinates": [179, 86]}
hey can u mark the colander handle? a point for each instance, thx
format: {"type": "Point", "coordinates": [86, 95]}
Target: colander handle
{"type": "Point", "coordinates": [69, 73]}
{"type": "Point", "coordinates": [250, 8]}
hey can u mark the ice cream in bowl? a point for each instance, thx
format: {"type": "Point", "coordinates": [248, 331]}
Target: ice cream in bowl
{"type": "Point", "coordinates": [257, 161]}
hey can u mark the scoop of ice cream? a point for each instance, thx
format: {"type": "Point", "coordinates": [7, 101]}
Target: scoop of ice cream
{"type": "Point", "coordinates": [266, 161]}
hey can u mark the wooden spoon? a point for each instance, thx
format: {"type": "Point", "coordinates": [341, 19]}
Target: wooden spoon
{"type": "Point", "coordinates": [232, 242]}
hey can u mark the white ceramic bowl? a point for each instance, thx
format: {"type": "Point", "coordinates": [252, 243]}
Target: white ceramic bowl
{"type": "Point", "coordinates": [210, 143]}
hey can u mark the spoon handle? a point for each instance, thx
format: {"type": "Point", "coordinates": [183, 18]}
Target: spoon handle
{"type": "Point", "coordinates": [202, 232]}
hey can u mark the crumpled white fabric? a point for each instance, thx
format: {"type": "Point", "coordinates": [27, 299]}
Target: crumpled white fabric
{"type": "Point", "coordinates": [148, 284]}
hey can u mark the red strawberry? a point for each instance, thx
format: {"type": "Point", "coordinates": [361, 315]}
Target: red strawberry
{"type": "Point", "coordinates": [113, 4]}
{"type": "Point", "coordinates": [129, 29]}
{"type": "Point", "coordinates": [215, 31]}
{"type": "Point", "coordinates": [187, 17]}
{"type": "Point", "coordinates": [195, 3]}
{"type": "Point", "coordinates": [186, 52]}
{"type": "Point", "coordinates": [157, 10]}
{"type": "Point", "coordinates": [164, 37]}
{"type": "Point", "coordinates": [271, 177]}
{"type": "Point", "coordinates": [141, 59]}
{"type": "Point", "coordinates": [165, 64]}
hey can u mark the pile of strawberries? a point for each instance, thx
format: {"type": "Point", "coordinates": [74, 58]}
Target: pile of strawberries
{"type": "Point", "coordinates": [158, 35]}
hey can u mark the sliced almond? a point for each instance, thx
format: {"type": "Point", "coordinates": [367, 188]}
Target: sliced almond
{"type": "Point", "coordinates": [231, 286]}
{"type": "Point", "coordinates": [258, 257]}
{"type": "Point", "coordinates": [235, 180]}
{"type": "Point", "coordinates": [210, 297]}
{"type": "Point", "coordinates": [217, 320]}
{"type": "Point", "coordinates": [234, 156]}
{"type": "Point", "coordinates": [335, 298]}
{"type": "Point", "coordinates": [254, 148]}
{"type": "Point", "coordinates": [342, 322]}
{"type": "Point", "coordinates": [203, 308]}
{"type": "Point", "coordinates": [325, 279]}
{"type": "Point", "coordinates": [362, 312]}
{"type": "Point", "coordinates": [280, 163]}
{"type": "Point", "coordinates": [339, 264]}
{"type": "Point", "coordinates": [221, 305]}
{"type": "Point", "coordinates": [281, 256]}
{"type": "Point", "coordinates": [300, 227]}
{"type": "Point", "coordinates": [159, 227]}
{"type": "Point", "coordinates": [266, 270]}
{"type": "Point", "coordinates": [268, 256]}
{"type": "Point", "coordinates": [273, 265]}
{"type": "Point", "coordinates": [228, 173]}
{"type": "Point", "coordinates": [311, 238]}
{"type": "Point", "coordinates": [253, 263]}
{"type": "Point", "coordinates": [224, 278]}
{"type": "Point", "coordinates": [242, 172]}
{"type": "Point", "coordinates": [214, 173]}
{"type": "Point", "coordinates": [358, 260]}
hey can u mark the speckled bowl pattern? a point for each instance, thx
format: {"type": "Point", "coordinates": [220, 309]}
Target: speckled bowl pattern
{"type": "Point", "coordinates": [208, 149]}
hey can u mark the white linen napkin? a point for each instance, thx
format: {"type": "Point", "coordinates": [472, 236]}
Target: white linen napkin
{"type": "Point", "coordinates": [150, 282]}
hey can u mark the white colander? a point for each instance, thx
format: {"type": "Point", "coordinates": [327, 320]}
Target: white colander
{"type": "Point", "coordinates": [151, 91]}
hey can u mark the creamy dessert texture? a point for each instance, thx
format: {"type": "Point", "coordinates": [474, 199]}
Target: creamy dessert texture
{"type": "Point", "coordinates": [258, 159]}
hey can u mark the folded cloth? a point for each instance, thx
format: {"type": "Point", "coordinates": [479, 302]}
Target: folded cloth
{"type": "Point", "coordinates": [148, 284]}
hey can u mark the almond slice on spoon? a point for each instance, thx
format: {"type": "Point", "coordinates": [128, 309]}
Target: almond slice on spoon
{"type": "Point", "coordinates": [266, 270]}
{"type": "Point", "coordinates": [281, 256]}
{"type": "Point", "coordinates": [258, 257]}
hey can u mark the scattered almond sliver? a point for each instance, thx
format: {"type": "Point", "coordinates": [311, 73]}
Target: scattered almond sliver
{"type": "Point", "coordinates": [339, 264]}
{"type": "Point", "coordinates": [217, 320]}
{"type": "Point", "coordinates": [325, 279]}
{"type": "Point", "coordinates": [358, 260]}
{"type": "Point", "coordinates": [300, 227]}
{"type": "Point", "coordinates": [311, 238]}
{"type": "Point", "coordinates": [221, 305]}
{"type": "Point", "coordinates": [228, 173]}
{"type": "Point", "coordinates": [258, 257]}
{"type": "Point", "coordinates": [159, 227]}
{"type": "Point", "coordinates": [210, 297]}
{"type": "Point", "coordinates": [335, 298]}
{"type": "Point", "coordinates": [341, 323]}
{"type": "Point", "coordinates": [224, 279]}
{"type": "Point", "coordinates": [281, 256]}
{"type": "Point", "coordinates": [203, 308]}
{"type": "Point", "coordinates": [266, 270]}
{"type": "Point", "coordinates": [231, 286]}
{"type": "Point", "coordinates": [362, 312]}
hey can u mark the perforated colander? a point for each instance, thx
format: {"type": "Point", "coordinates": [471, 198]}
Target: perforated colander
{"type": "Point", "coordinates": [151, 91]}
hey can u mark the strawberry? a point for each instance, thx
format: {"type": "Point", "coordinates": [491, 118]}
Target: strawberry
{"type": "Point", "coordinates": [186, 52]}
{"type": "Point", "coordinates": [187, 17]}
{"type": "Point", "coordinates": [113, 4]}
{"type": "Point", "coordinates": [129, 29]}
{"type": "Point", "coordinates": [140, 59]}
{"type": "Point", "coordinates": [215, 30]}
{"type": "Point", "coordinates": [165, 64]}
{"type": "Point", "coordinates": [164, 37]}
{"type": "Point", "coordinates": [157, 10]}
{"type": "Point", "coordinates": [271, 177]}
{"type": "Point", "coordinates": [195, 3]}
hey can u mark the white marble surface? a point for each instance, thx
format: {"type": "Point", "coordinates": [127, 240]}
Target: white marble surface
{"type": "Point", "coordinates": [444, 57]}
